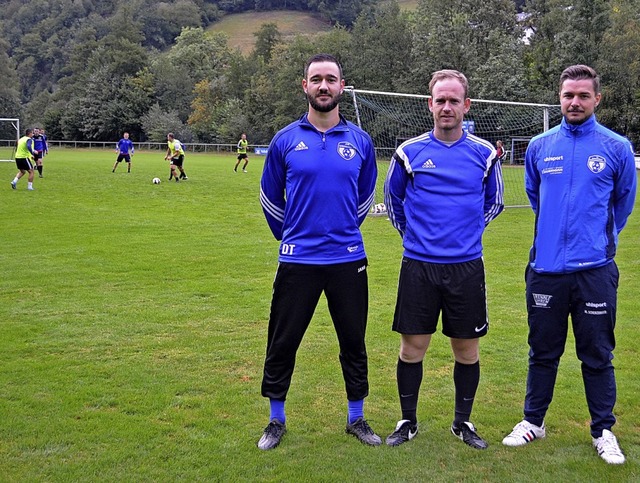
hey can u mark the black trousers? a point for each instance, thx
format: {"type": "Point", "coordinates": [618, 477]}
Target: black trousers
{"type": "Point", "coordinates": [296, 292]}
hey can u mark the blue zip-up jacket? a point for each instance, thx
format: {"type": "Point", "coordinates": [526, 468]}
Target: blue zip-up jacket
{"type": "Point", "coordinates": [440, 197]}
{"type": "Point", "coordinates": [316, 190]}
{"type": "Point", "coordinates": [581, 183]}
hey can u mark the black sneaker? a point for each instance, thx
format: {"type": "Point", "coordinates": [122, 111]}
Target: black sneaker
{"type": "Point", "coordinates": [272, 435]}
{"type": "Point", "coordinates": [361, 430]}
{"type": "Point", "coordinates": [405, 431]}
{"type": "Point", "coordinates": [467, 433]}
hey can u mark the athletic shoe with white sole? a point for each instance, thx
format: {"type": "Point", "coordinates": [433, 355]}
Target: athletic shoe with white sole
{"type": "Point", "coordinates": [524, 432]}
{"type": "Point", "coordinates": [361, 430]}
{"type": "Point", "coordinates": [467, 433]}
{"type": "Point", "coordinates": [272, 435]}
{"type": "Point", "coordinates": [13, 184]}
{"type": "Point", "coordinates": [405, 431]}
{"type": "Point", "coordinates": [608, 449]}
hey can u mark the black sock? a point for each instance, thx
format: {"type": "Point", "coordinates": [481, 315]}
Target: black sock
{"type": "Point", "coordinates": [40, 169]}
{"type": "Point", "coordinates": [465, 378]}
{"type": "Point", "coordinates": [409, 377]}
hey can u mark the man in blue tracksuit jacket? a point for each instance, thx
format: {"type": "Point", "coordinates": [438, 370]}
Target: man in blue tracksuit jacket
{"type": "Point", "coordinates": [581, 181]}
{"type": "Point", "coordinates": [316, 189]}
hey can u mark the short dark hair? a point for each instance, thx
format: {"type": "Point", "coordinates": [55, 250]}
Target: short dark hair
{"type": "Point", "coordinates": [450, 74]}
{"type": "Point", "coordinates": [580, 72]}
{"type": "Point", "coordinates": [28, 131]}
{"type": "Point", "coordinates": [321, 58]}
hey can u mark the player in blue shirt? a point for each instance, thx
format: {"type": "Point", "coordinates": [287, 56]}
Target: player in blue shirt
{"type": "Point", "coordinates": [581, 181]}
{"type": "Point", "coordinates": [316, 189]}
{"type": "Point", "coordinates": [442, 189]}
{"type": "Point", "coordinates": [41, 149]}
{"type": "Point", "coordinates": [125, 150]}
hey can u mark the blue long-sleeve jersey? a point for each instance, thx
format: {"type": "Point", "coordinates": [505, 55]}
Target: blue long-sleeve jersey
{"type": "Point", "coordinates": [125, 146]}
{"type": "Point", "coordinates": [316, 190]}
{"type": "Point", "coordinates": [441, 196]}
{"type": "Point", "coordinates": [581, 183]}
{"type": "Point", "coordinates": [40, 143]}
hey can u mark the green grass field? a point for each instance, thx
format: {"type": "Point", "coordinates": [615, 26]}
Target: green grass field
{"type": "Point", "coordinates": [133, 320]}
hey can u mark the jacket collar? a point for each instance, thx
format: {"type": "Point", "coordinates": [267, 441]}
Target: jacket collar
{"type": "Point", "coordinates": [341, 126]}
{"type": "Point", "coordinates": [580, 129]}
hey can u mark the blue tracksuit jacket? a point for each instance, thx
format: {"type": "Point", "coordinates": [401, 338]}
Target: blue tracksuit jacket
{"type": "Point", "coordinates": [581, 182]}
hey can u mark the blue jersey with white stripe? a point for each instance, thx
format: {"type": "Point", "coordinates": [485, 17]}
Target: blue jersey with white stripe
{"type": "Point", "coordinates": [316, 190]}
{"type": "Point", "coordinates": [441, 196]}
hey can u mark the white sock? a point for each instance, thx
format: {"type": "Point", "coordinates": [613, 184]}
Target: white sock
{"type": "Point", "coordinates": [15, 180]}
{"type": "Point", "coordinates": [29, 184]}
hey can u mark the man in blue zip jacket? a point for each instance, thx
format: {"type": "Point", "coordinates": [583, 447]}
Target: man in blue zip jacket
{"type": "Point", "coordinates": [316, 189]}
{"type": "Point", "coordinates": [581, 182]}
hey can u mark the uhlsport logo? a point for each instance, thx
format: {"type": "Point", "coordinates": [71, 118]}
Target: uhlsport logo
{"type": "Point", "coordinates": [542, 300]}
{"type": "Point", "coordinates": [596, 163]}
{"type": "Point", "coordinates": [346, 150]}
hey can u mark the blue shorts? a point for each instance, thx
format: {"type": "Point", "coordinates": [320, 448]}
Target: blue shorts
{"type": "Point", "coordinates": [457, 290]}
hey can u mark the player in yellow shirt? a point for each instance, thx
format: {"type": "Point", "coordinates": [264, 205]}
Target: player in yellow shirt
{"type": "Point", "coordinates": [175, 155]}
{"type": "Point", "coordinates": [242, 153]}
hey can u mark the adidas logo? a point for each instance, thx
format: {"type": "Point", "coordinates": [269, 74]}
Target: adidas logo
{"type": "Point", "coordinates": [428, 164]}
{"type": "Point", "coordinates": [301, 146]}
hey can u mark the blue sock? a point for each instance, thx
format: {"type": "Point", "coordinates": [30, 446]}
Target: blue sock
{"type": "Point", "coordinates": [356, 410]}
{"type": "Point", "coordinates": [277, 410]}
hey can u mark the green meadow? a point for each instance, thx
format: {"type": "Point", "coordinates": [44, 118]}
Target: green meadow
{"type": "Point", "coordinates": [133, 323]}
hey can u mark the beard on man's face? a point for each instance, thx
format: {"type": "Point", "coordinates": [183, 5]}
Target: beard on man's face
{"type": "Point", "coordinates": [324, 107]}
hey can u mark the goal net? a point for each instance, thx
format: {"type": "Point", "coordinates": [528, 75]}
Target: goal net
{"type": "Point", "coordinates": [9, 135]}
{"type": "Point", "coordinates": [391, 118]}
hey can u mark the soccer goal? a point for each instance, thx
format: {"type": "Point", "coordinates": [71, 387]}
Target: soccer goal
{"type": "Point", "coordinates": [391, 117]}
{"type": "Point", "coordinates": [9, 135]}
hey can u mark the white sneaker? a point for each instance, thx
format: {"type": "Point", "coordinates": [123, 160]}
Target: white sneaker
{"type": "Point", "coordinates": [524, 432]}
{"type": "Point", "coordinates": [608, 449]}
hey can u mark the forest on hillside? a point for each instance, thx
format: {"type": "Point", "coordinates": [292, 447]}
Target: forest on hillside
{"type": "Point", "coordinates": [89, 70]}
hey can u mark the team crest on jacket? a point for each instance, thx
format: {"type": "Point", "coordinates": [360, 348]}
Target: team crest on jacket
{"type": "Point", "coordinates": [346, 150]}
{"type": "Point", "coordinates": [596, 163]}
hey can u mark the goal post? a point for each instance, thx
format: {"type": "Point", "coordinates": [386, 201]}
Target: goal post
{"type": "Point", "coordinates": [9, 135]}
{"type": "Point", "coordinates": [392, 117]}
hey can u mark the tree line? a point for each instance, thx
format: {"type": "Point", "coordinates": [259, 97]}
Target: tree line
{"type": "Point", "coordinates": [90, 70]}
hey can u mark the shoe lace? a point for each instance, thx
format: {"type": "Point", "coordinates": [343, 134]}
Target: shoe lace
{"type": "Point", "coordinates": [609, 445]}
{"type": "Point", "coordinates": [273, 429]}
{"type": "Point", "coordinates": [363, 427]}
{"type": "Point", "coordinates": [521, 429]}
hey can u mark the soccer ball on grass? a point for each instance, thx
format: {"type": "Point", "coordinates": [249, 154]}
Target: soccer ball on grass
{"type": "Point", "coordinates": [155, 180]}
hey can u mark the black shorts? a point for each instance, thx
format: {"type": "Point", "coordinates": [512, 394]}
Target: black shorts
{"type": "Point", "coordinates": [178, 161]}
{"type": "Point", "coordinates": [24, 164]}
{"type": "Point", "coordinates": [126, 157]}
{"type": "Point", "coordinates": [37, 155]}
{"type": "Point", "coordinates": [242, 156]}
{"type": "Point", "coordinates": [457, 290]}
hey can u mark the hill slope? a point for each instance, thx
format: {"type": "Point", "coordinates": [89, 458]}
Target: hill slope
{"type": "Point", "coordinates": [241, 27]}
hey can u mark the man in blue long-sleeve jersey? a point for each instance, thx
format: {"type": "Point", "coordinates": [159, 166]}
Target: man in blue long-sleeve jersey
{"type": "Point", "coordinates": [442, 189]}
{"type": "Point", "coordinates": [316, 189]}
